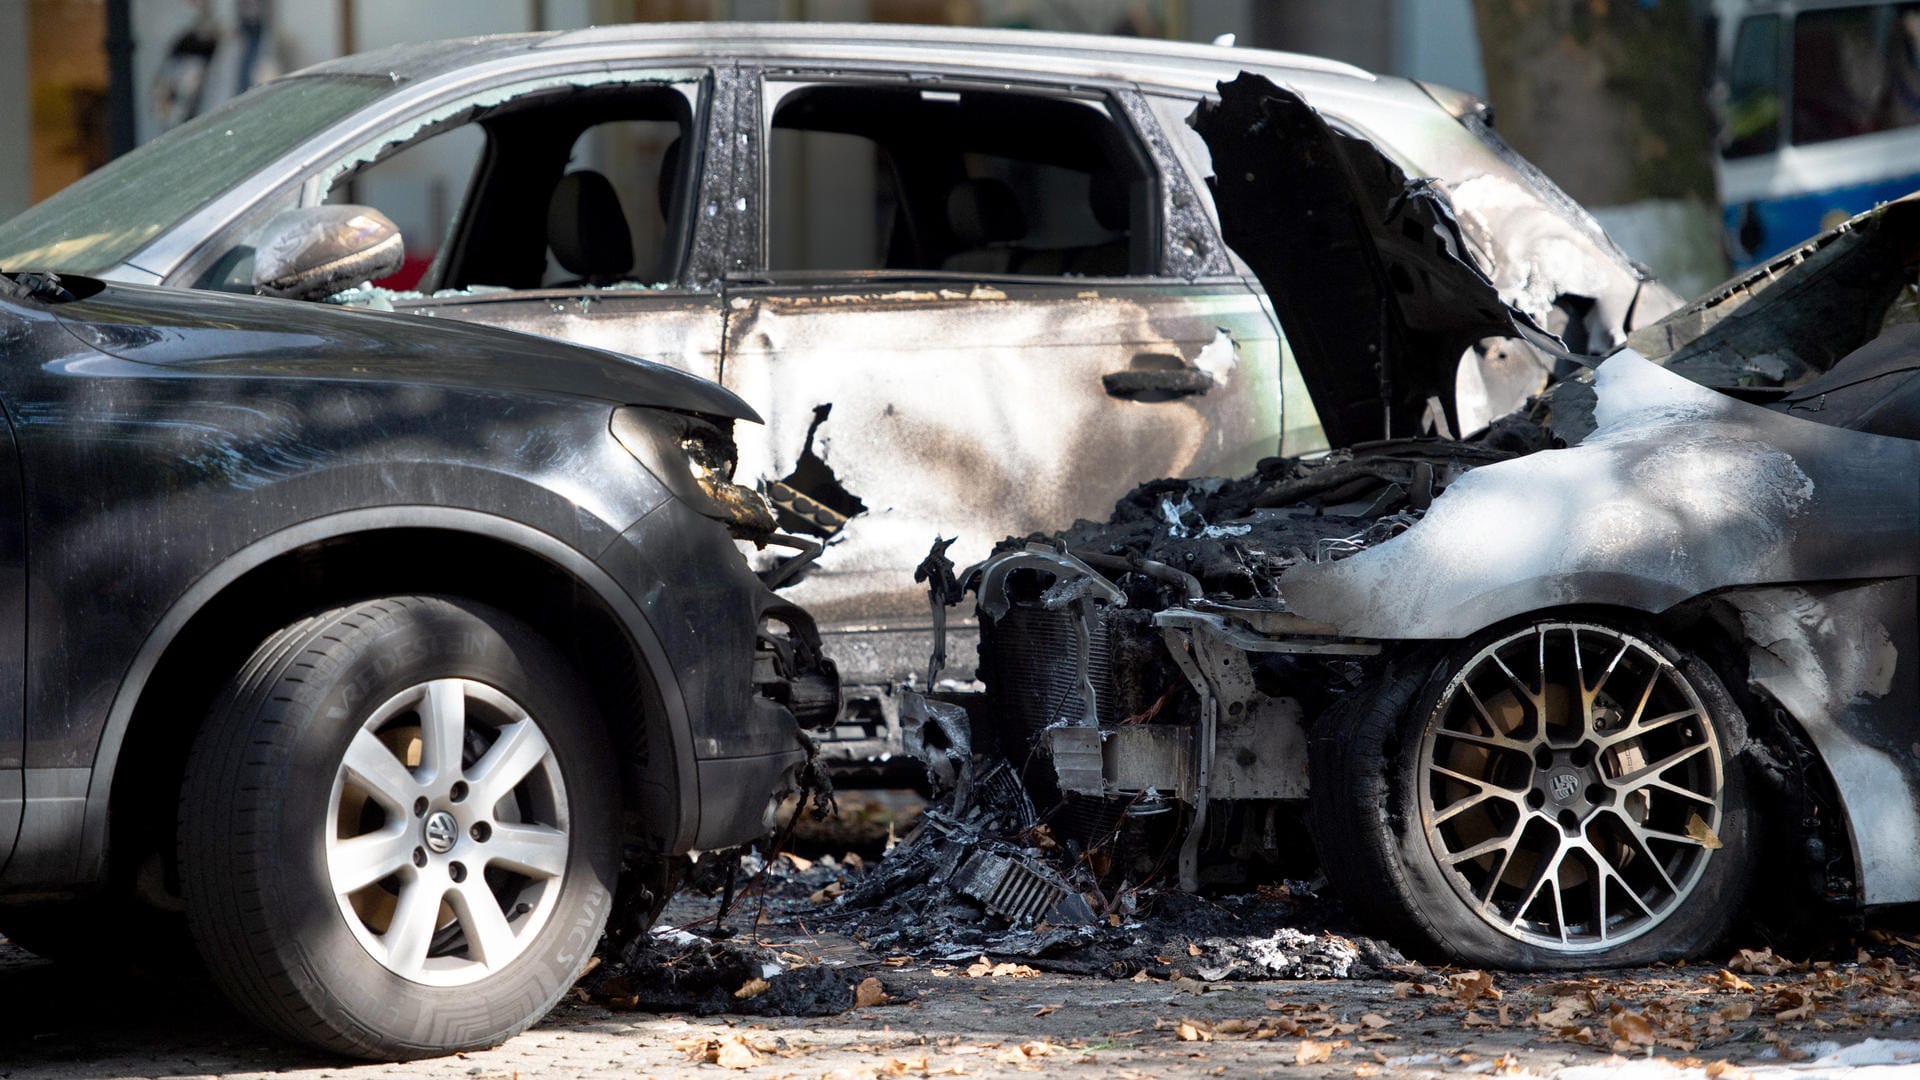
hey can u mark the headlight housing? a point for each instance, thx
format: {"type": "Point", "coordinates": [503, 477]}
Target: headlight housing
{"type": "Point", "coordinates": [695, 458]}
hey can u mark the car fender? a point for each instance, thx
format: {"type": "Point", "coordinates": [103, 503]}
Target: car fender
{"type": "Point", "coordinates": [583, 568]}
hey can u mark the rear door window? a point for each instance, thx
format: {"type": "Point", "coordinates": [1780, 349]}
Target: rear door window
{"type": "Point", "coordinates": [984, 181]}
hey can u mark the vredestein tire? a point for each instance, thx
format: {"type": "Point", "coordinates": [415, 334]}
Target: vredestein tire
{"type": "Point", "coordinates": [386, 741]}
{"type": "Point", "coordinates": [1436, 804]}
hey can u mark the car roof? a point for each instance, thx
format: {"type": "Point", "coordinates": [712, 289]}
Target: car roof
{"type": "Point", "coordinates": [1128, 57]}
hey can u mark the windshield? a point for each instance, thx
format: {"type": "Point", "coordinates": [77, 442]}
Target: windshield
{"type": "Point", "coordinates": [104, 217]}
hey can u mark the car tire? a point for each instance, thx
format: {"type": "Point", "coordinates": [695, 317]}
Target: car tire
{"type": "Point", "coordinates": [399, 829]}
{"type": "Point", "coordinates": [1439, 796]}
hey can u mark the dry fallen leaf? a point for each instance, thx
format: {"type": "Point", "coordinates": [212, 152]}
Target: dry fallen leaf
{"type": "Point", "coordinates": [734, 1053]}
{"type": "Point", "coordinates": [1703, 832]}
{"type": "Point", "coordinates": [1727, 1070]}
{"type": "Point", "coordinates": [1375, 1021]}
{"type": "Point", "coordinates": [1469, 986]}
{"type": "Point", "coordinates": [869, 993]}
{"type": "Point", "coordinates": [1760, 962]}
{"type": "Point", "coordinates": [751, 988]}
{"type": "Point", "coordinates": [1310, 1052]}
{"type": "Point", "coordinates": [1046, 1010]}
{"type": "Point", "coordinates": [1726, 980]}
{"type": "Point", "coordinates": [1739, 1010]}
{"type": "Point", "coordinates": [1007, 969]}
{"type": "Point", "coordinates": [801, 864]}
{"type": "Point", "coordinates": [1188, 1031]}
{"type": "Point", "coordinates": [826, 892]}
{"type": "Point", "coordinates": [1631, 1027]}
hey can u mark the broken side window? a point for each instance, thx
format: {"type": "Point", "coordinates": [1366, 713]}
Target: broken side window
{"type": "Point", "coordinates": [895, 177]}
{"type": "Point", "coordinates": [420, 188]}
{"type": "Point", "coordinates": [1856, 71]}
{"type": "Point", "coordinates": [1752, 124]}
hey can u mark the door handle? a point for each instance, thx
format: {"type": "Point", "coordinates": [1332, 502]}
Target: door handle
{"type": "Point", "coordinates": [1165, 385]}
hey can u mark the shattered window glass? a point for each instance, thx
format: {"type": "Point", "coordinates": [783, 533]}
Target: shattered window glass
{"type": "Point", "coordinates": [420, 188]}
{"type": "Point", "coordinates": [1855, 71]}
{"type": "Point", "coordinates": [1752, 124]}
{"type": "Point", "coordinates": [966, 181]}
{"type": "Point", "coordinates": [560, 187]}
{"type": "Point", "coordinates": [106, 216]}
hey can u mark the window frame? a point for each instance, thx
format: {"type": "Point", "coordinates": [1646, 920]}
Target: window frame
{"type": "Point", "coordinates": [773, 84]}
{"type": "Point", "coordinates": [377, 132]}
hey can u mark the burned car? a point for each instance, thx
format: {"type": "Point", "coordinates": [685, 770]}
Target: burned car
{"type": "Point", "coordinates": [1545, 696]}
{"type": "Point", "coordinates": [973, 279]}
{"type": "Point", "coordinates": [362, 648]}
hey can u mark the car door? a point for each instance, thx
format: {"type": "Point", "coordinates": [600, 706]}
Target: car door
{"type": "Point", "coordinates": [982, 310]}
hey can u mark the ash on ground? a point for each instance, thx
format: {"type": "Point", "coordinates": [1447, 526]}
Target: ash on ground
{"type": "Point", "coordinates": [745, 950]}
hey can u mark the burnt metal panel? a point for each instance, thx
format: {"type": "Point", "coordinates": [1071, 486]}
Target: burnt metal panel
{"type": "Point", "coordinates": [1844, 660]}
{"type": "Point", "coordinates": [1681, 491]}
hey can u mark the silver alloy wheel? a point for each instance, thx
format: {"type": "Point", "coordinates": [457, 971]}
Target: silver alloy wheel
{"type": "Point", "coordinates": [447, 832]}
{"type": "Point", "coordinates": [1570, 786]}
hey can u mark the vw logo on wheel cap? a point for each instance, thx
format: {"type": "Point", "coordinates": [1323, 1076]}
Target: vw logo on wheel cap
{"type": "Point", "coordinates": [441, 832]}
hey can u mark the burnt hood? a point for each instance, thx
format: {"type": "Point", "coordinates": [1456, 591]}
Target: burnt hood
{"type": "Point", "coordinates": [1366, 268]}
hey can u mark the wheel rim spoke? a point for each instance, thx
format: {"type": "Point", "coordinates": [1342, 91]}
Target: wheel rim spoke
{"type": "Point", "coordinates": [1647, 774]}
{"type": "Point", "coordinates": [490, 939]}
{"type": "Point", "coordinates": [531, 849]}
{"type": "Point", "coordinates": [374, 769]}
{"type": "Point", "coordinates": [443, 728]}
{"type": "Point", "coordinates": [1550, 797]}
{"type": "Point", "coordinates": [1496, 742]}
{"type": "Point", "coordinates": [1638, 728]}
{"type": "Point", "coordinates": [415, 918]}
{"type": "Point", "coordinates": [360, 861]}
{"type": "Point", "coordinates": [1503, 843]}
{"type": "Point", "coordinates": [1455, 809]}
{"type": "Point", "coordinates": [519, 750]}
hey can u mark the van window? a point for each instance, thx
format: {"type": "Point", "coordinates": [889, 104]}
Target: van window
{"type": "Point", "coordinates": [1753, 90]}
{"type": "Point", "coordinates": [1855, 71]}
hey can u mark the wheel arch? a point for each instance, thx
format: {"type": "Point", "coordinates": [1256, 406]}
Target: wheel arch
{"type": "Point", "coordinates": [211, 628]}
{"type": "Point", "coordinates": [1784, 749]}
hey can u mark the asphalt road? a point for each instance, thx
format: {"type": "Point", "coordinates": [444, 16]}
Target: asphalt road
{"type": "Point", "coordinates": [70, 1024]}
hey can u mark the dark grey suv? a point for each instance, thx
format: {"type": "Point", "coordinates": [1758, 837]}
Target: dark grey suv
{"type": "Point", "coordinates": [368, 642]}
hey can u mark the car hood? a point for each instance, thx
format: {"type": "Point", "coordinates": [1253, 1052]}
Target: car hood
{"type": "Point", "coordinates": [222, 334]}
{"type": "Point", "coordinates": [1366, 268]}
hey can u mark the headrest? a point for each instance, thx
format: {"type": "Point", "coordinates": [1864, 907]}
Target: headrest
{"type": "Point", "coordinates": [984, 212]}
{"type": "Point", "coordinates": [586, 227]}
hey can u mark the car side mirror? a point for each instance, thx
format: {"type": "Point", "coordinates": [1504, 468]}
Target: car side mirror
{"type": "Point", "coordinates": [312, 252]}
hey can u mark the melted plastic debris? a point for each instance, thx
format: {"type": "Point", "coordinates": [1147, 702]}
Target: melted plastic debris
{"type": "Point", "coordinates": [933, 897]}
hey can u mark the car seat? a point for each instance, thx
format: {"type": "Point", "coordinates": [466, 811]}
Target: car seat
{"type": "Point", "coordinates": [587, 230]}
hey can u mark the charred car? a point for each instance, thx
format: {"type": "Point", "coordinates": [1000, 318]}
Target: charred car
{"type": "Point", "coordinates": [973, 280]}
{"type": "Point", "coordinates": [1546, 696]}
{"type": "Point", "coordinates": [361, 648]}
